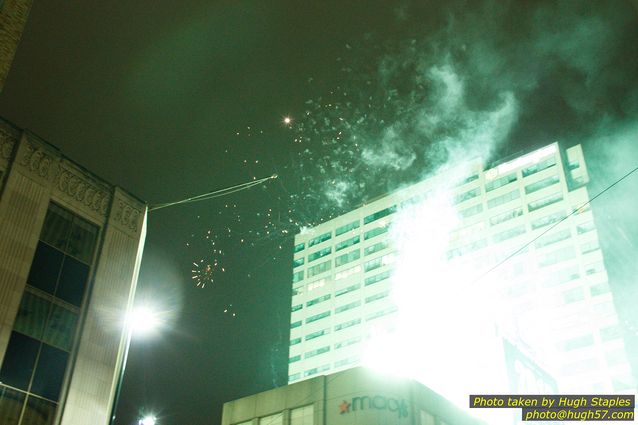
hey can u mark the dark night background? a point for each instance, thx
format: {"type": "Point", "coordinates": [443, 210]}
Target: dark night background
{"type": "Point", "coordinates": [170, 100]}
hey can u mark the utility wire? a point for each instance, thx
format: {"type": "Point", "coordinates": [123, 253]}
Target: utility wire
{"type": "Point", "coordinates": [214, 194]}
{"type": "Point", "coordinates": [518, 251]}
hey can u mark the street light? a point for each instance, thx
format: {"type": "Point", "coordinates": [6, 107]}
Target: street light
{"type": "Point", "coordinates": [147, 420]}
{"type": "Point", "coordinates": [142, 320]}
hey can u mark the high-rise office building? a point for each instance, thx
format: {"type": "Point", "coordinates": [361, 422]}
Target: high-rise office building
{"type": "Point", "coordinates": [13, 18]}
{"type": "Point", "coordinates": [70, 250]}
{"type": "Point", "coordinates": [463, 265]}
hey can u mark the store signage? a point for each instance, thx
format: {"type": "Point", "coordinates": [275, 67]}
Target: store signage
{"type": "Point", "coordinates": [376, 402]}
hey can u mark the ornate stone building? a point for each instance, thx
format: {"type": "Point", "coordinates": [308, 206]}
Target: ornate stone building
{"type": "Point", "coordinates": [70, 251]}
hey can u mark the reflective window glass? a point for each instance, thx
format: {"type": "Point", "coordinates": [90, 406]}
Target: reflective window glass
{"type": "Point", "coordinates": [32, 315]}
{"type": "Point", "coordinates": [72, 281]}
{"type": "Point", "coordinates": [276, 419]}
{"type": "Point", "coordinates": [10, 405]}
{"type": "Point", "coordinates": [38, 412]}
{"type": "Point", "coordinates": [60, 328]}
{"type": "Point", "coordinates": [82, 240]}
{"type": "Point", "coordinates": [49, 374]}
{"type": "Point", "coordinates": [19, 360]}
{"type": "Point", "coordinates": [45, 268]}
{"type": "Point", "coordinates": [302, 415]}
{"type": "Point", "coordinates": [57, 226]}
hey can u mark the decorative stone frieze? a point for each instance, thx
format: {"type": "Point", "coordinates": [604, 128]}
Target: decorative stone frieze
{"type": "Point", "coordinates": [75, 186]}
{"type": "Point", "coordinates": [127, 215]}
{"type": "Point", "coordinates": [37, 160]}
{"type": "Point", "coordinates": [7, 142]}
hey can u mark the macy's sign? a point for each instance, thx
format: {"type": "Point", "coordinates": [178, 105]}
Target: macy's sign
{"type": "Point", "coordinates": [377, 402]}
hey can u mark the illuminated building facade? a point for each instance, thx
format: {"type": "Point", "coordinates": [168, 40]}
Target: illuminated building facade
{"type": "Point", "coordinates": [70, 250]}
{"type": "Point", "coordinates": [513, 234]}
{"type": "Point", "coordinates": [353, 397]}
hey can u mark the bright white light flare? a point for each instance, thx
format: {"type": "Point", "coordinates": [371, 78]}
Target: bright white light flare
{"type": "Point", "coordinates": [144, 320]}
{"type": "Point", "coordinates": [444, 334]}
{"type": "Point", "coordinates": [147, 420]}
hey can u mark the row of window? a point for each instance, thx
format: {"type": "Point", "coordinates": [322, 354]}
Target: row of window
{"type": "Point", "coordinates": [503, 199]}
{"type": "Point", "coordinates": [470, 194]}
{"type": "Point", "coordinates": [42, 339]}
{"type": "Point", "coordinates": [466, 196]}
{"type": "Point", "coordinates": [346, 307]}
{"type": "Point", "coordinates": [500, 182]}
{"type": "Point", "coordinates": [342, 260]}
{"type": "Point", "coordinates": [559, 277]}
{"type": "Point", "coordinates": [371, 280]}
{"type": "Point", "coordinates": [346, 228]}
{"type": "Point", "coordinates": [539, 166]}
{"type": "Point", "coordinates": [346, 258]}
{"type": "Point", "coordinates": [498, 219]}
{"type": "Point", "coordinates": [566, 253]}
{"type": "Point", "coordinates": [541, 184]}
{"type": "Point", "coordinates": [548, 259]}
{"type": "Point", "coordinates": [299, 416]}
{"type": "Point", "coordinates": [315, 370]}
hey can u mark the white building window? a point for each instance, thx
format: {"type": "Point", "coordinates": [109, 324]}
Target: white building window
{"type": "Point", "coordinates": [427, 418]}
{"type": "Point", "coordinates": [276, 419]}
{"type": "Point", "coordinates": [302, 415]}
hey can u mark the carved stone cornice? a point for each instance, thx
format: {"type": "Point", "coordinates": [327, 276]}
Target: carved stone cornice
{"type": "Point", "coordinates": [7, 141]}
{"type": "Point", "coordinates": [37, 160]}
{"type": "Point", "coordinates": [74, 186]}
{"type": "Point", "coordinates": [127, 215]}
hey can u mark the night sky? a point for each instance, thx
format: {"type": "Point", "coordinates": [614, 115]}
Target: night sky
{"type": "Point", "coordinates": [170, 100]}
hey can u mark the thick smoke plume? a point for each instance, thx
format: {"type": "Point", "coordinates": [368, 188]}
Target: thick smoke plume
{"type": "Point", "coordinates": [462, 80]}
{"type": "Point", "coordinates": [473, 77]}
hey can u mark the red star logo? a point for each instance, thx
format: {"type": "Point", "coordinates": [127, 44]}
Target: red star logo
{"type": "Point", "coordinates": [344, 407]}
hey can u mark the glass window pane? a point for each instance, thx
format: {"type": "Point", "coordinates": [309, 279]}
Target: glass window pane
{"type": "Point", "coordinates": [426, 418]}
{"type": "Point", "coordinates": [38, 412]}
{"type": "Point", "coordinates": [276, 419]}
{"type": "Point", "coordinates": [302, 415]}
{"type": "Point", "coordinates": [45, 268]}
{"type": "Point", "coordinates": [49, 373]}
{"type": "Point", "coordinates": [61, 328]}
{"type": "Point", "coordinates": [82, 240]}
{"type": "Point", "coordinates": [19, 361]}
{"type": "Point", "coordinates": [11, 402]}
{"type": "Point", "coordinates": [72, 281]}
{"type": "Point", "coordinates": [57, 226]}
{"type": "Point", "coordinates": [32, 315]}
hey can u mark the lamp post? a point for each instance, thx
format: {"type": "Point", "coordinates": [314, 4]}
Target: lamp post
{"type": "Point", "coordinates": [142, 320]}
{"type": "Point", "coordinates": [147, 420]}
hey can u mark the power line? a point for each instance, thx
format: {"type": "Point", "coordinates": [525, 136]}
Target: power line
{"type": "Point", "coordinates": [214, 194]}
{"type": "Point", "coordinates": [518, 251]}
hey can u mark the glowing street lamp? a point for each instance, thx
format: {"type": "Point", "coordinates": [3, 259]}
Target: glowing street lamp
{"type": "Point", "coordinates": [147, 420]}
{"type": "Point", "coordinates": [142, 320]}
